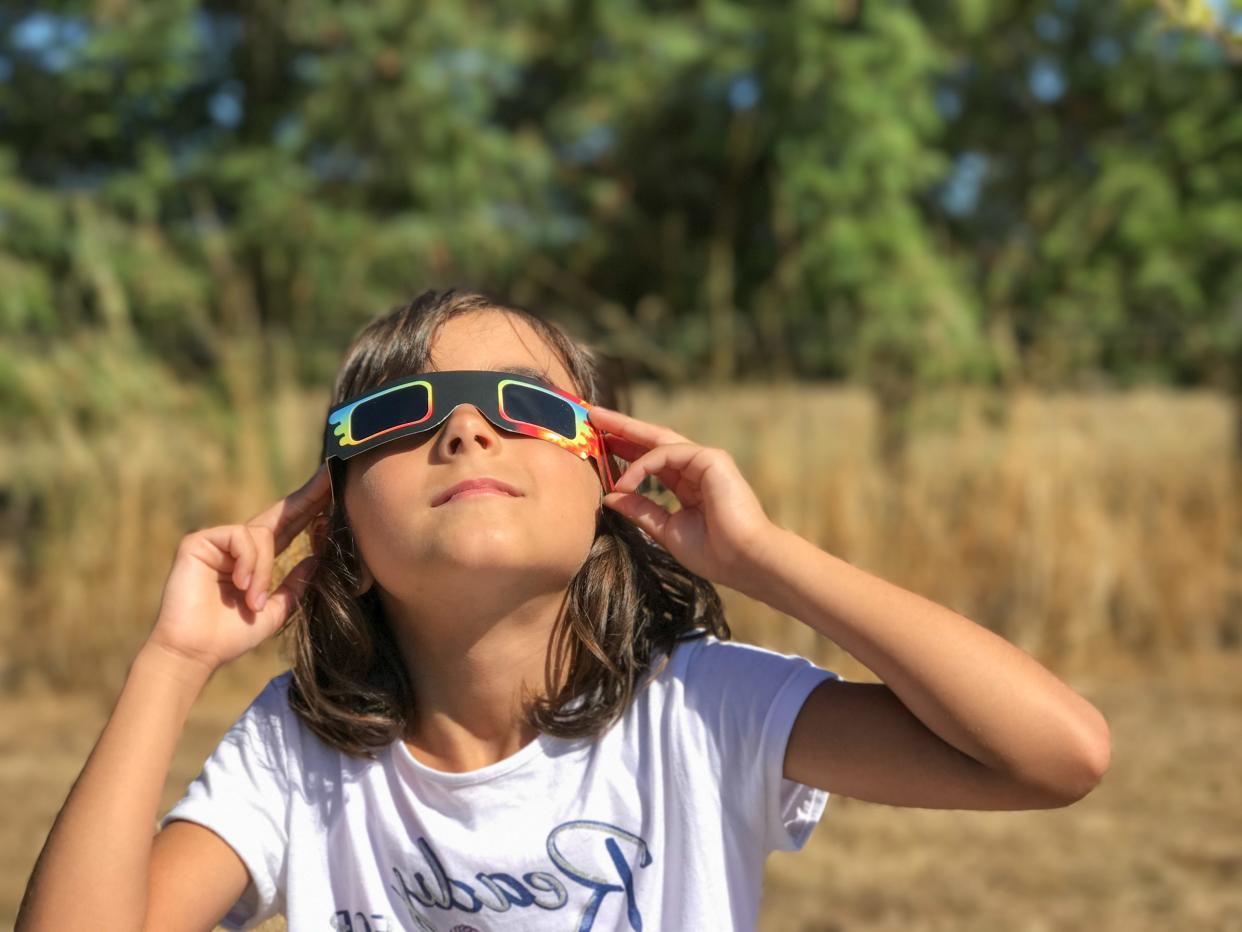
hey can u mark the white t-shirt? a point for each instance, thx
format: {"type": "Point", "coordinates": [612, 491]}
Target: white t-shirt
{"type": "Point", "coordinates": [662, 823]}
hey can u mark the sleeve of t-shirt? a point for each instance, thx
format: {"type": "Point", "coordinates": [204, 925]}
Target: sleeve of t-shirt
{"type": "Point", "coordinates": [749, 697]}
{"type": "Point", "coordinates": [242, 794]}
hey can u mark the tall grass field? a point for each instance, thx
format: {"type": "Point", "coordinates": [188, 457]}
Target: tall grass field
{"type": "Point", "coordinates": [1099, 532]}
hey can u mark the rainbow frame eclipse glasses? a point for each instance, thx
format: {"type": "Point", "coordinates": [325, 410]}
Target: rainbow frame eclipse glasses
{"type": "Point", "coordinates": [416, 403]}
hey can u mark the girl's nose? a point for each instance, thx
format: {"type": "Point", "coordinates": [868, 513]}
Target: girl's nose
{"type": "Point", "coordinates": [465, 424]}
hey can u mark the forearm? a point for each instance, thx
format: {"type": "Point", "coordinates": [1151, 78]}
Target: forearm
{"type": "Point", "coordinates": [93, 870]}
{"type": "Point", "coordinates": [985, 696]}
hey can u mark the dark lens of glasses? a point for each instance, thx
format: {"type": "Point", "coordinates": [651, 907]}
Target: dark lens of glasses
{"type": "Point", "coordinates": [539, 408]}
{"type": "Point", "coordinates": [396, 408]}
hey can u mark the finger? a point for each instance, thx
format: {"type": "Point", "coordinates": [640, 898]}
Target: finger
{"type": "Point", "coordinates": [631, 428]}
{"type": "Point", "coordinates": [242, 547]}
{"type": "Point", "coordinates": [668, 476]}
{"type": "Point", "coordinates": [628, 450]}
{"type": "Point", "coordinates": [631, 452]}
{"type": "Point", "coordinates": [291, 589]}
{"type": "Point", "coordinates": [287, 517]}
{"type": "Point", "coordinates": [641, 510]}
{"type": "Point", "coordinates": [667, 462]}
{"type": "Point", "coordinates": [264, 563]}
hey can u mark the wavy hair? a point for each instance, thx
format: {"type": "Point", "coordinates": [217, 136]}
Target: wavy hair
{"type": "Point", "coordinates": [625, 608]}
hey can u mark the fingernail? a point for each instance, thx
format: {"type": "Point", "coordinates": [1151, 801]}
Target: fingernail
{"type": "Point", "coordinates": [245, 583]}
{"type": "Point", "coordinates": [260, 601]}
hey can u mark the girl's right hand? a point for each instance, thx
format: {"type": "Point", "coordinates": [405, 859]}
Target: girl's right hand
{"type": "Point", "coordinates": [215, 605]}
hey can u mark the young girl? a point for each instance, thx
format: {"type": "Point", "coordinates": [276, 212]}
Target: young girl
{"type": "Point", "coordinates": [513, 703]}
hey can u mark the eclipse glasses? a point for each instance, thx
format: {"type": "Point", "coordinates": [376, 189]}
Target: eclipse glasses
{"type": "Point", "coordinates": [416, 403]}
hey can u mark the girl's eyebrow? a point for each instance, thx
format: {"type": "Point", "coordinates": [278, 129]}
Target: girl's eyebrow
{"type": "Point", "coordinates": [532, 373]}
{"type": "Point", "coordinates": [523, 370]}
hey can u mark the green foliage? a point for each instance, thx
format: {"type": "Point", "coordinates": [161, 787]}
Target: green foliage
{"type": "Point", "coordinates": [1108, 230]}
{"type": "Point", "coordinates": [901, 194]}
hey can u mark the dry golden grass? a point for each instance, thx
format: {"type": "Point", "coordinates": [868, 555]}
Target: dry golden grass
{"type": "Point", "coordinates": [1077, 527]}
{"type": "Point", "coordinates": [1157, 846]}
{"type": "Point", "coordinates": [1101, 534]}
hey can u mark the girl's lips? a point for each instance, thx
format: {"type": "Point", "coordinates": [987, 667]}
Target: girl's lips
{"type": "Point", "coordinates": [477, 483]}
{"type": "Point", "coordinates": [468, 493]}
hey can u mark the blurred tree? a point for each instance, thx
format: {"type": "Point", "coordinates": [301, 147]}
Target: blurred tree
{"type": "Point", "coordinates": [1098, 188]}
{"type": "Point", "coordinates": [903, 194]}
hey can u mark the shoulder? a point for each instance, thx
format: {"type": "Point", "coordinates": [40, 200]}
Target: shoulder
{"type": "Point", "coordinates": [274, 720]}
{"type": "Point", "coordinates": [272, 702]}
{"type": "Point", "coordinates": [267, 720]}
{"type": "Point", "coordinates": [278, 686]}
{"type": "Point", "coordinates": [708, 658]}
{"type": "Point", "coordinates": [707, 671]}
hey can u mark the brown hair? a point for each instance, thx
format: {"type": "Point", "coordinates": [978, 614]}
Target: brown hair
{"type": "Point", "coordinates": [627, 605]}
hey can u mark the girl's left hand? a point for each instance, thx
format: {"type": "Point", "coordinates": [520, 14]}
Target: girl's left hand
{"type": "Point", "coordinates": [721, 526]}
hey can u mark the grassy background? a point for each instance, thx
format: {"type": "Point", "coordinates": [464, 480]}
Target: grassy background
{"type": "Point", "coordinates": [1098, 532]}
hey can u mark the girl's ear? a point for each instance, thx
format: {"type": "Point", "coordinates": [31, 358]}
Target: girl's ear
{"type": "Point", "coordinates": [365, 578]}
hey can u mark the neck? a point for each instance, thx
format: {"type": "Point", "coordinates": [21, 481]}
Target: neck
{"type": "Point", "coordinates": [470, 661]}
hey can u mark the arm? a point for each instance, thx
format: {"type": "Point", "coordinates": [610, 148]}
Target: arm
{"type": "Point", "coordinates": [96, 869]}
{"type": "Point", "coordinates": [93, 869]}
{"type": "Point", "coordinates": [963, 718]}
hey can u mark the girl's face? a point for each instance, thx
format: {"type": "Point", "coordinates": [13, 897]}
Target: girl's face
{"type": "Point", "coordinates": [416, 550]}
